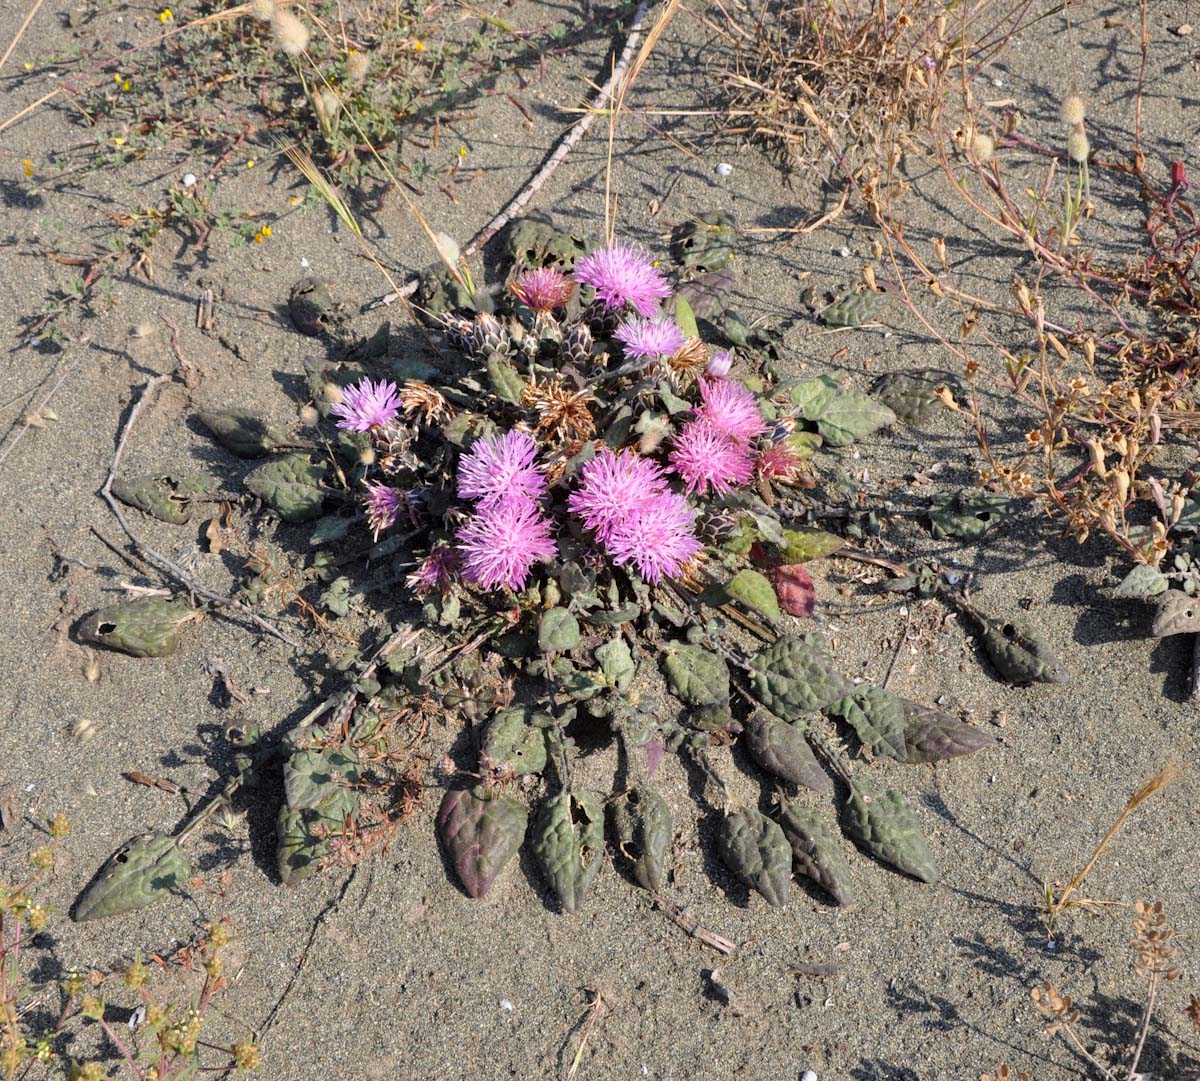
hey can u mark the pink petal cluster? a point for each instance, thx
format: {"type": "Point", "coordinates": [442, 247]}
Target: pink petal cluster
{"type": "Point", "coordinates": [624, 500]}
{"type": "Point", "coordinates": [367, 405]}
{"type": "Point", "coordinates": [382, 504]}
{"type": "Point", "coordinates": [435, 571]}
{"type": "Point", "coordinates": [501, 543]}
{"type": "Point", "coordinates": [500, 468]}
{"type": "Point", "coordinates": [731, 408]}
{"type": "Point", "coordinates": [718, 365]}
{"type": "Point", "coordinates": [658, 336]}
{"type": "Point", "coordinates": [777, 461]}
{"type": "Point", "coordinates": [622, 274]}
{"type": "Point", "coordinates": [704, 456]}
{"type": "Point", "coordinates": [543, 289]}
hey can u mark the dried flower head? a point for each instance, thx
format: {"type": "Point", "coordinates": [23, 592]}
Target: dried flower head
{"type": "Point", "coordinates": [366, 405]}
{"type": "Point", "coordinates": [983, 147]}
{"type": "Point", "coordinates": [421, 400]}
{"type": "Point", "coordinates": [264, 10]}
{"type": "Point", "coordinates": [1078, 146]}
{"type": "Point", "coordinates": [1057, 1009]}
{"type": "Point", "coordinates": [650, 338]}
{"type": "Point", "coordinates": [543, 289]}
{"type": "Point", "coordinates": [689, 358]}
{"type": "Point", "coordinates": [659, 539]}
{"type": "Point", "coordinates": [1152, 943]}
{"type": "Point", "coordinates": [501, 468]}
{"type": "Point", "coordinates": [562, 413]}
{"type": "Point", "coordinates": [613, 488]}
{"type": "Point", "coordinates": [706, 457]}
{"type": "Point", "coordinates": [500, 544]}
{"type": "Point", "coordinates": [357, 66]}
{"type": "Point", "coordinates": [1071, 112]}
{"type": "Point", "coordinates": [291, 35]}
{"type": "Point", "coordinates": [622, 274]}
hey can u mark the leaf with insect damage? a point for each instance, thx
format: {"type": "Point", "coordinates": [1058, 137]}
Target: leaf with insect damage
{"type": "Point", "coordinates": [855, 310]}
{"type": "Point", "coordinates": [617, 664]}
{"type": "Point", "coordinates": [243, 433]}
{"type": "Point", "coordinates": [931, 735]}
{"type": "Point", "coordinates": [752, 589]}
{"type": "Point", "coordinates": [794, 676]}
{"type": "Point", "coordinates": [1019, 653]}
{"type": "Point", "coordinates": [696, 676]}
{"type": "Point", "coordinates": [515, 740]}
{"type": "Point", "coordinates": [968, 514]}
{"type": "Point", "coordinates": [482, 831]}
{"type": "Point", "coordinates": [912, 395]}
{"type": "Point", "coordinates": [146, 627]}
{"type": "Point", "coordinates": [290, 486]}
{"type": "Point", "coordinates": [168, 498]}
{"type": "Point", "coordinates": [705, 243]}
{"type": "Point", "coordinates": [643, 827]}
{"type": "Point", "coordinates": [144, 869]}
{"type": "Point", "coordinates": [1177, 613]}
{"type": "Point", "coordinates": [568, 842]}
{"type": "Point", "coordinates": [781, 749]}
{"type": "Point", "coordinates": [884, 823]}
{"type": "Point", "coordinates": [877, 717]}
{"type": "Point", "coordinates": [816, 851]}
{"type": "Point", "coordinates": [754, 848]}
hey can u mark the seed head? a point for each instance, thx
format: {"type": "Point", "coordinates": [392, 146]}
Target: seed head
{"type": "Point", "coordinates": [1078, 146]}
{"type": "Point", "coordinates": [1072, 111]}
{"type": "Point", "coordinates": [357, 66]}
{"type": "Point", "coordinates": [983, 147]}
{"type": "Point", "coordinates": [291, 35]}
{"type": "Point", "coordinates": [264, 10]}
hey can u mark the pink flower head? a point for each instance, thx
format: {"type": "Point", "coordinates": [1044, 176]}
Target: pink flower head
{"type": "Point", "coordinates": [435, 571]}
{"type": "Point", "coordinates": [543, 289]}
{"type": "Point", "coordinates": [704, 456]}
{"type": "Point", "coordinates": [382, 504]}
{"type": "Point", "coordinates": [731, 408]}
{"type": "Point", "coordinates": [658, 539]}
{"type": "Point", "coordinates": [502, 542]}
{"type": "Point", "coordinates": [656, 337]}
{"type": "Point", "coordinates": [622, 274]}
{"type": "Point", "coordinates": [367, 405]}
{"type": "Point", "coordinates": [718, 365]}
{"type": "Point", "coordinates": [613, 488]}
{"type": "Point", "coordinates": [501, 467]}
{"type": "Point", "coordinates": [777, 461]}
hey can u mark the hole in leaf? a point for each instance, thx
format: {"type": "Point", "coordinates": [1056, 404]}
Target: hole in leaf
{"type": "Point", "coordinates": [1009, 631]}
{"type": "Point", "coordinates": [106, 628]}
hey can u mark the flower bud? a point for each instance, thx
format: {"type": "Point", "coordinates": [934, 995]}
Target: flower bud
{"type": "Point", "coordinates": [718, 365]}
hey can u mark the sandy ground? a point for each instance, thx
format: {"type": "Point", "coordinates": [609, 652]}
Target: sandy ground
{"type": "Point", "coordinates": [390, 971]}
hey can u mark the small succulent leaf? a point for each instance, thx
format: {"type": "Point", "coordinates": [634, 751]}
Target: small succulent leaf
{"type": "Point", "coordinates": [781, 749]}
{"type": "Point", "coordinates": [337, 596]}
{"type": "Point", "coordinates": [1142, 581]}
{"type": "Point", "coordinates": [752, 589]}
{"type": "Point", "coordinates": [1177, 613]}
{"type": "Point", "coordinates": [290, 486]}
{"type": "Point", "coordinates": [877, 717]}
{"type": "Point", "coordinates": [558, 631]}
{"type": "Point", "coordinates": [794, 676]}
{"type": "Point", "coordinates": [816, 851]}
{"type": "Point", "coordinates": [884, 823]}
{"type": "Point", "coordinates": [813, 395]}
{"type": "Point", "coordinates": [705, 243]}
{"type": "Point", "coordinates": [912, 395]}
{"type": "Point", "coordinates": [515, 740]}
{"type": "Point", "coordinates": [322, 779]}
{"type": "Point", "coordinates": [807, 543]}
{"type": "Point", "coordinates": [504, 380]}
{"type": "Point", "coordinates": [754, 848]}
{"type": "Point", "coordinates": [144, 869]}
{"type": "Point", "coordinates": [968, 514]}
{"type": "Point", "coordinates": [931, 735]}
{"type": "Point", "coordinates": [850, 416]}
{"type": "Point", "coordinates": [794, 589]}
{"type": "Point", "coordinates": [168, 498]}
{"type": "Point", "coordinates": [568, 842]}
{"type": "Point", "coordinates": [644, 827]}
{"type": "Point", "coordinates": [146, 627]}
{"type": "Point", "coordinates": [482, 832]}
{"type": "Point", "coordinates": [696, 676]}
{"type": "Point", "coordinates": [855, 310]}
{"type": "Point", "coordinates": [604, 617]}
{"type": "Point", "coordinates": [1019, 653]}
{"type": "Point", "coordinates": [617, 663]}
{"type": "Point", "coordinates": [243, 433]}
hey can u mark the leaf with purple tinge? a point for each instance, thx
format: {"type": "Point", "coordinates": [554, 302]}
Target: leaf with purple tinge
{"type": "Point", "coordinates": [481, 832]}
{"type": "Point", "coordinates": [568, 841]}
{"type": "Point", "coordinates": [816, 850]}
{"type": "Point", "coordinates": [794, 588]}
{"type": "Point", "coordinates": [931, 735]}
{"type": "Point", "coordinates": [781, 749]}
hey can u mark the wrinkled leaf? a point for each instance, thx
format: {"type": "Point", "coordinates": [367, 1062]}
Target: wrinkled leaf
{"type": "Point", "coordinates": [167, 498]}
{"type": "Point", "coordinates": [243, 433]}
{"type": "Point", "coordinates": [568, 842]}
{"type": "Point", "coordinates": [144, 869]}
{"type": "Point", "coordinates": [781, 749]}
{"type": "Point", "coordinates": [558, 631]}
{"type": "Point", "coordinates": [885, 824]}
{"type": "Point", "coordinates": [504, 380]}
{"type": "Point", "coordinates": [850, 416]}
{"type": "Point", "coordinates": [912, 395]}
{"type": "Point", "coordinates": [146, 627]}
{"type": "Point", "coordinates": [707, 293]}
{"type": "Point", "coordinates": [643, 827]}
{"type": "Point", "coordinates": [813, 395]}
{"type": "Point", "coordinates": [816, 851]}
{"type": "Point", "coordinates": [877, 717]}
{"type": "Point", "coordinates": [806, 544]}
{"type": "Point", "coordinates": [303, 841]}
{"type": "Point", "coordinates": [967, 514]}
{"type": "Point", "coordinates": [754, 591]}
{"type": "Point", "coordinates": [290, 486]}
{"type": "Point", "coordinates": [705, 243]}
{"type": "Point", "coordinates": [482, 831]}
{"type": "Point", "coordinates": [310, 305]}
{"type": "Point", "coordinates": [329, 529]}
{"type": "Point", "coordinates": [1177, 613]}
{"type": "Point", "coordinates": [855, 310]}
{"type": "Point", "coordinates": [794, 588]}
{"type": "Point", "coordinates": [931, 735]}
{"type": "Point", "coordinates": [794, 676]}
{"type": "Point", "coordinates": [1142, 581]}
{"type": "Point", "coordinates": [515, 739]}
{"type": "Point", "coordinates": [754, 848]}
{"type": "Point", "coordinates": [322, 779]}
{"type": "Point", "coordinates": [617, 664]}
{"type": "Point", "coordinates": [696, 676]}
{"type": "Point", "coordinates": [1019, 653]}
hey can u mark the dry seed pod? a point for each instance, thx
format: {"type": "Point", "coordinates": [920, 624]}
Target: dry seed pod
{"type": "Point", "coordinates": [1078, 146]}
{"type": "Point", "coordinates": [1072, 110]}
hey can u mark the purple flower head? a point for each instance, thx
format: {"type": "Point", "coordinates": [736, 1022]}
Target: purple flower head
{"type": "Point", "coordinates": [704, 456]}
{"type": "Point", "coordinates": [658, 539]}
{"type": "Point", "coordinates": [502, 542]}
{"type": "Point", "coordinates": [382, 504]}
{"type": "Point", "coordinates": [435, 571]}
{"type": "Point", "coordinates": [543, 289]}
{"type": "Point", "coordinates": [367, 405]}
{"type": "Point", "coordinates": [501, 467]}
{"type": "Point", "coordinates": [614, 488]}
{"type": "Point", "coordinates": [731, 408]}
{"type": "Point", "coordinates": [719, 365]}
{"type": "Point", "coordinates": [656, 337]}
{"type": "Point", "coordinates": [622, 274]}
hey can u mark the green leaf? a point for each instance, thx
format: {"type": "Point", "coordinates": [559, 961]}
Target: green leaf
{"type": "Point", "coordinates": [482, 831]}
{"type": "Point", "coordinates": [685, 317]}
{"type": "Point", "coordinates": [1019, 653]}
{"type": "Point", "coordinates": [604, 617]}
{"type": "Point", "coordinates": [515, 740]}
{"type": "Point", "coordinates": [885, 825]}
{"type": "Point", "coordinates": [144, 869]}
{"type": "Point", "coordinates": [504, 380]}
{"type": "Point", "coordinates": [558, 631]}
{"type": "Point", "coordinates": [794, 676]}
{"type": "Point", "coordinates": [705, 243]}
{"type": "Point", "coordinates": [855, 310]}
{"type": "Point", "coordinates": [146, 627]}
{"type": "Point", "coordinates": [813, 395]}
{"type": "Point", "coordinates": [912, 395]}
{"type": "Point", "coordinates": [643, 826]}
{"type": "Point", "coordinates": [754, 848]}
{"type": "Point", "coordinates": [329, 529]}
{"type": "Point", "coordinates": [850, 416]}
{"type": "Point", "coordinates": [781, 749]}
{"type": "Point", "coordinates": [302, 842]}
{"type": "Point", "coordinates": [697, 676]}
{"type": "Point", "coordinates": [167, 498]}
{"type": "Point", "coordinates": [671, 401]}
{"type": "Point", "coordinates": [1142, 581]}
{"type": "Point", "coordinates": [931, 735]}
{"type": "Point", "coordinates": [322, 780]}
{"type": "Point", "coordinates": [243, 433]}
{"type": "Point", "coordinates": [808, 543]}
{"type": "Point", "coordinates": [568, 843]}
{"type": "Point", "coordinates": [967, 514]}
{"type": "Point", "coordinates": [877, 717]}
{"type": "Point", "coordinates": [337, 596]}
{"type": "Point", "coordinates": [752, 589]}
{"type": "Point", "coordinates": [617, 664]}
{"type": "Point", "coordinates": [290, 486]}
{"type": "Point", "coordinates": [816, 851]}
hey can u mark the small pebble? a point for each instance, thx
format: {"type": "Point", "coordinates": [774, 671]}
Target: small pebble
{"type": "Point", "coordinates": [997, 82]}
{"type": "Point", "coordinates": [844, 252]}
{"type": "Point", "coordinates": [809, 1075]}
{"type": "Point", "coordinates": [189, 180]}
{"type": "Point", "coordinates": [303, 262]}
{"type": "Point", "coordinates": [506, 1005]}
{"type": "Point", "coordinates": [723, 168]}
